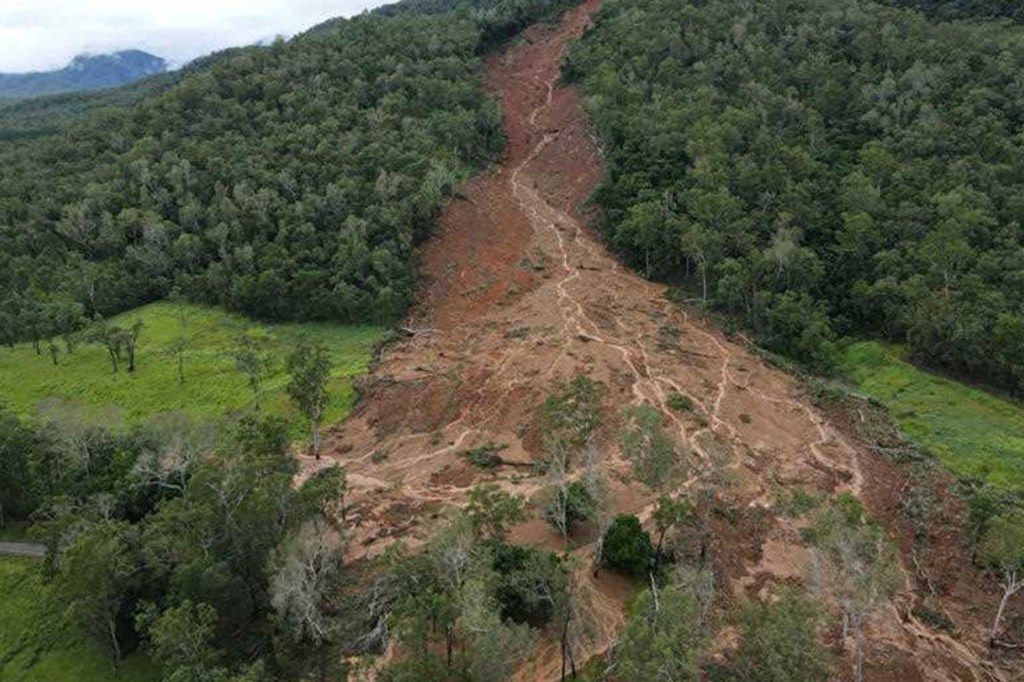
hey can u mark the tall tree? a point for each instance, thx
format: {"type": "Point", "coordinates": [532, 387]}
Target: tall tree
{"type": "Point", "coordinates": [97, 574]}
{"type": "Point", "coordinates": [1002, 548]}
{"type": "Point", "coordinates": [253, 360]}
{"type": "Point", "coordinates": [858, 564]}
{"type": "Point", "coordinates": [310, 369]}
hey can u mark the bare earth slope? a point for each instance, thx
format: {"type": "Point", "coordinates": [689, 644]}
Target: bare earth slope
{"type": "Point", "coordinates": [520, 294]}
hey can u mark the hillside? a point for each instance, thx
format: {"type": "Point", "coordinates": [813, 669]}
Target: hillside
{"type": "Point", "coordinates": [525, 308]}
{"type": "Point", "coordinates": [84, 72]}
{"type": "Point", "coordinates": [630, 251]}
{"type": "Point", "coordinates": [817, 169]}
{"type": "Point", "coordinates": [310, 168]}
{"type": "Point", "coordinates": [965, 9]}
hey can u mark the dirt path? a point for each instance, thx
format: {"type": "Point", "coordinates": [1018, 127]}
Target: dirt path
{"type": "Point", "coordinates": [22, 549]}
{"type": "Point", "coordinates": [520, 294]}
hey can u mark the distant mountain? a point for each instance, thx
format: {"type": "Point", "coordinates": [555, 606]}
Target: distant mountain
{"type": "Point", "coordinates": [85, 72]}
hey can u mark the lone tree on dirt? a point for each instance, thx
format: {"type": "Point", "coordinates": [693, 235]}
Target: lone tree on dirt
{"type": "Point", "coordinates": [1002, 548]}
{"type": "Point", "coordinates": [310, 369]}
{"type": "Point", "coordinates": [670, 514]}
{"type": "Point", "coordinates": [492, 510]}
{"type": "Point", "coordinates": [650, 449]}
{"type": "Point", "coordinates": [627, 546]}
{"type": "Point", "coordinates": [253, 361]}
{"type": "Point", "coordinates": [858, 564]}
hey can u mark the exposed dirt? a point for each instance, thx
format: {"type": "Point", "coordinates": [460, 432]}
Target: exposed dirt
{"type": "Point", "coordinates": [518, 295]}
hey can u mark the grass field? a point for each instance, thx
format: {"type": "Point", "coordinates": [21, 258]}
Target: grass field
{"type": "Point", "coordinates": [213, 386]}
{"type": "Point", "coordinates": [38, 645]}
{"type": "Point", "coordinates": [972, 432]}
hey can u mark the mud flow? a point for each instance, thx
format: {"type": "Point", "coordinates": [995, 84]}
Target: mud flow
{"type": "Point", "coordinates": [518, 294]}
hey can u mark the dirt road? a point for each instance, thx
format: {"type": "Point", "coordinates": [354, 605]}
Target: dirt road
{"type": "Point", "coordinates": [520, 294]}
{"type": "Point", "coordinates": [22, 549]}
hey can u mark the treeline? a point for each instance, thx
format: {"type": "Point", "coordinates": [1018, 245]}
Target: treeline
{"type": "Point", "coordinates": [152, 540]}
{"type": "Point", "coordinates": [198, 544]}
{"type": "Point", "coordinates": [288, 182]}
{"type": "Point", "coordinates": [965, 9]}
{"type": "Point", "coordinates": [820, 168]}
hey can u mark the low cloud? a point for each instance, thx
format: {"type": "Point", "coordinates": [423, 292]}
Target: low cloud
{"type": "Point", "coordinates": [40, 35]}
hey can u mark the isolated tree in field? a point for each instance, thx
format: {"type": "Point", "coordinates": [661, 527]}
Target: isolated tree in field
{"type": "Point", "coordinates": [858, 564]}
{"type": "Point", "coordinates": [180, 344]}
{"type": "Point", "coordinates": [492, 510]}
{"type": "Point", "coordinates": [107, 336]}
{"type": "Point", "coordinates": [54, 350]}
{"type": "Point", "coordinates": [310, 368]}
{"type": "Point", "coordinates": [178, 348]}
{"type": "Point", "coordinates": [253, 361]}
{"type": "Point", "coordinates": [1002, 548]}
{"type": "Point", "coordinates": [129, 340]}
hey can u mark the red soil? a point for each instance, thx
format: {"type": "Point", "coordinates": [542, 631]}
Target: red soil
{"type": "Point", "coordinates": [519, 294]}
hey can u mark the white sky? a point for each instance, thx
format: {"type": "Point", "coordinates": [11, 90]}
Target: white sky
{"type": "Point", "coordinates": [45, 34]}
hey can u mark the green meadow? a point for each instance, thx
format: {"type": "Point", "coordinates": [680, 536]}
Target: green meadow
{"type": "Point", "coordinates": [974, 433]}
{"type": "Point", "coordinates": [213, 386]}
{"type": "Point", "coordinates": [38, 644]}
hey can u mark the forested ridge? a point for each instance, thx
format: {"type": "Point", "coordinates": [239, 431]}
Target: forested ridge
{"type": "Point", "coordinates": [820, 168]}
{"type": "Point", "coordinates": [288, 182]}
{"type": "Point", "coordinates": [965, 9]}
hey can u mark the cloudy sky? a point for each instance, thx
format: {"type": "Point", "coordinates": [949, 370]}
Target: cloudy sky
{"type": "Point", "coordinates": [46, 34]}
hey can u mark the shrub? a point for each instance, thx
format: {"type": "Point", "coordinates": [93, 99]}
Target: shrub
{"type": "Point", "coordinates": [484, 457]}
{"type": "Point", "coordinates": [627, 546]}
{"type": "Point", "coordinates": [679, 402]}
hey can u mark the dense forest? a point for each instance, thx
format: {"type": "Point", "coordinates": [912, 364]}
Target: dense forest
{"type": "Point", "coordinates": [965, 9]}
{"type": "Point", "coordinates": [288, 182]}
{"type": "Point", "coordinates": [820, 168]}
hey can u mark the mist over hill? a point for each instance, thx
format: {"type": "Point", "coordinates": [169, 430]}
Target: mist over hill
{"type": "Point", "coordinates": [84, 72]}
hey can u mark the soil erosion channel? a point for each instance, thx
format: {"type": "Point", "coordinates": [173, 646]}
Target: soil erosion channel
{"type": "Point", "coordinates": [519, 294]}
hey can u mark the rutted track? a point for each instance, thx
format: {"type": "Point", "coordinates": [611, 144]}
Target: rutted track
{"type": "Point", "coordinates": [520, 294]}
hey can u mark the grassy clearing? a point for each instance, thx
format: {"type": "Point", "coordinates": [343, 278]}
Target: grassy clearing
{"type": "Point", "coordinates": [15, 531]}
{"type": "Point", "coordinates": [213, 386]}
{"type": "Point", "coordinates": [972, 432]}
{"type": "Point", "coordinates": [38, 645]}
